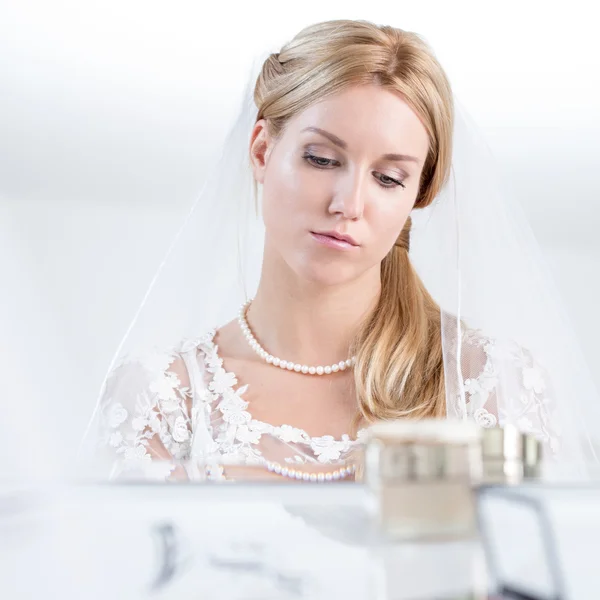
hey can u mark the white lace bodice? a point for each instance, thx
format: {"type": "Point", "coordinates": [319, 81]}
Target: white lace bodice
{"type": "Point", "coordinates": [181, 404]}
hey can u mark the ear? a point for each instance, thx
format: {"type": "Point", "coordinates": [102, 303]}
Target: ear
{"type": "Point", "coordinates": [260, 148]}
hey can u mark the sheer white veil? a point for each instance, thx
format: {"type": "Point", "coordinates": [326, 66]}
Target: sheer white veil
{"type": "Point", "coordinates": [472, 247]}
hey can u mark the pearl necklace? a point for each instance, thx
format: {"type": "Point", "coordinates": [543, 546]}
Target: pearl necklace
{"type": "Point", "coordinates": [216, 472]}
{"type": "Point", "coordinates": [342, 473]}
{"type": "Point", "coordinates": [286, 364]}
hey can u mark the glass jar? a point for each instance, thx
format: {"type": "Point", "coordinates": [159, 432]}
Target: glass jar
{"type": "Point", "coordinates": [421, 474]}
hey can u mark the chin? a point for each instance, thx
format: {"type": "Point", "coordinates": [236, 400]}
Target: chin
{"type": "Point", "coordinates": [328, 274]}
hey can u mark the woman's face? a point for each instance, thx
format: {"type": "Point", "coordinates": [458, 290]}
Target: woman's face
{"type": "Point", "coordinates": [340, 182]}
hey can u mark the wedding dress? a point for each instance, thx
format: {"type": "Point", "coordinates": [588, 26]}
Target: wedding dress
{"type": "Point", "coordinates": [182, 406]}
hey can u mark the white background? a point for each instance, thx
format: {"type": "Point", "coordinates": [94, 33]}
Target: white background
{"type": "Point", "coordinates": [108, 111]}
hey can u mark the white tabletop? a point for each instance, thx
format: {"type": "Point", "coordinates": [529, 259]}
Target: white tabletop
{"type": "Point", "coordinates": [237, 541]}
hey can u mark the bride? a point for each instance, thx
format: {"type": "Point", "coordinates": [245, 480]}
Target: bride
{"type": "Point", "coordinates": [350, 134]}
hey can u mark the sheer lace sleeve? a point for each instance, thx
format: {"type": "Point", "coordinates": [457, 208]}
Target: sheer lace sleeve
{"type": "Point", "coordinates": [181, 415]}
{"type": "Point", "coordinates": [504, 384]}
{"type": "Point", "coordinates": [145, 414]}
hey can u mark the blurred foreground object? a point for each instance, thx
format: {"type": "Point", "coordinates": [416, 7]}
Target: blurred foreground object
{"type": "Point", "coordinates": [422, 473]}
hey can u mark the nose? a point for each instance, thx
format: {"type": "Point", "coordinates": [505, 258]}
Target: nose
{"type": "Point", "coordinates": [349, 197]}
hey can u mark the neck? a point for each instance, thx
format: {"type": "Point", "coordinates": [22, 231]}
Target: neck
{"type": "Point", "coordinates": [306, 322]}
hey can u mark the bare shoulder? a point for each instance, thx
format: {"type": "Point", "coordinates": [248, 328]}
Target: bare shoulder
{"type": "Point", "coordinates": [231, 343]}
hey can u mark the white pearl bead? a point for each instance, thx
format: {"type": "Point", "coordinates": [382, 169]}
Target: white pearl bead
{"type": "Point", "coordinates": [312, 370]}
{"type": "Point", "coordinates": [335, 368]}
{"type": "Point", "coordinates": [304, 369]}
{"type": "Point", "coordinates": [335, 475]}
{"type": "Point", "coordinates": [321, 477]}
{"type": "Point", "coordinates": [277, 469]}
{"type": "Point", "coordinates": [306, 476]}
{"type": "Point", "coordinates": [297, 368]}
{"type": "Point", "coordinates": [291, 473]}
{"type": "Point", "coordinates": [328, 477]}
{"type": "Point", "coordinates": [319, 370]}
{"type": "Point", "coordinates": [284, 471]}
{"type": "Point", "coordinates": [270, 466]}
{"type": "Point", "coordinates": [313, 477]}
{"type": "Point", "coordinates": [269, 359]}
{"type": "Point", "coordinates": [276, 361]}
{"type": "Point", "coordinates": [349, 362]}
{"type": "Point", "coordinates": [299, 474]}
{"type": "Point", "coordinates": [290, 366]}
{"type": "Point", "coordinates": [327, 370]}
{"type": "Point", "coordinates": [283, 364]}
{"type": "Point", "coordinates": [342, 365]}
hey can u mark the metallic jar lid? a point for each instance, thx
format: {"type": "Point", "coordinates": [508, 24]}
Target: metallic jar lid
{"type": "Point", "coordinates": [426, 430]}
{"type": "Point", "coordinates": [422, 451]}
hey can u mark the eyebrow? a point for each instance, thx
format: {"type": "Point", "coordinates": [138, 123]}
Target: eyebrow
{"type": "Point", "coordinates": [334, 139]}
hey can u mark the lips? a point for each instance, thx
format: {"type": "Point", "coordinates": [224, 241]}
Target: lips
{"type": "Point", "coordinates": [338, 236]}
{"type": "Point", "coordinates": [333, 239]}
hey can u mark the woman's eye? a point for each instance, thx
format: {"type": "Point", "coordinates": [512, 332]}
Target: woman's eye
{"type": "Point", "coordinates": [389, 182]}
{"type": "Point", "coordinates": [319, 161]}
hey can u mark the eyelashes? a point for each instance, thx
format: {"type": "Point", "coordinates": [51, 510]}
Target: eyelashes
{"type": "Point", "coordinates": [395, 182]}
{"type": "Point", "coordinates": [319, 162]}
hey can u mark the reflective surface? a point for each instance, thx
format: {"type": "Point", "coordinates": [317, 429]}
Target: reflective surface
{"type": "Point", "coordinates": [236, 541]}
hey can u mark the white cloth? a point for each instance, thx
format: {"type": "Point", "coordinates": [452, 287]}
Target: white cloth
{"type": "Point", "coordinates": [182, 406]}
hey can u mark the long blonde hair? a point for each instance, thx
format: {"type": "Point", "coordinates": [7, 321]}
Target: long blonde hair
{"type": "Point", "coordinates": [399, 369]}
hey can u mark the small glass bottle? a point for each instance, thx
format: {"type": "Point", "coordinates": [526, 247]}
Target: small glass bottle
{"type": "Point", "coordinates": [509, 456]}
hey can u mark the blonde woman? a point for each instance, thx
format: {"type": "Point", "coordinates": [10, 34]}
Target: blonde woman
{"type": "Point", "coordinates": [350, 132]}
